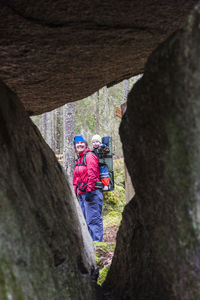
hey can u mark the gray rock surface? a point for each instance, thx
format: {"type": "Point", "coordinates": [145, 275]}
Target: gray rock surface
{"type": "Point", "coordinates": [45, 249]}
{"type": "Point", "coordinates": [53, 52]}
{"type": "Point", "coordinates": [158, 245]}
{"type": "Point", "coordinates": [49, 57]}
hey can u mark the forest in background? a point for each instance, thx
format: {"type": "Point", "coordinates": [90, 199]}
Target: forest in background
{"type": "Point", "coordinates": [95, 114]}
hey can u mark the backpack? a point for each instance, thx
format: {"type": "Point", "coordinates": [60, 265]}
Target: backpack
{"type": "Point", "coordinates": [105, 156]}
{"type": "Point", "coordinates": [83, 185]}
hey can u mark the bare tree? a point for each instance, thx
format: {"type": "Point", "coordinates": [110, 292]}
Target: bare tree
{"type": "Point", "coordinates": [97, 116]}
{"type": "Point", "coordinates": [41, 125]}
{"type": "Point", "coordinates": [58, 137]}
{"type": "Point", "coordinates": [68, 119]}
{"type": "Point", "coordinates": [48, 129]}
{"type": "Point", "coordinates": [107, 110]}
{"type": "Point", "coordinates": [126, 89]}
{"type": "Point", "coordinates": [44, 117]}
{"type": "Point", "coordinates": [52, 117]}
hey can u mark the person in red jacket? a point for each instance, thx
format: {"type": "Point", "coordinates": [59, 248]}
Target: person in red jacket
{"type": "Point", "coordinates": [87, 187]}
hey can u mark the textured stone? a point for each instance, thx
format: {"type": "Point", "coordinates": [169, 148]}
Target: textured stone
{"type": "Point", "coordinates": [158, 245]}
{"type": "Point", "coordinates": [53, 52]}
{"type": "Point", "coordinates": [45, 249]}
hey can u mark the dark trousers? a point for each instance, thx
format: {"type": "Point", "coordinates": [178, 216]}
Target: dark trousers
{"type": "Point", "coordinates": [91, 204]}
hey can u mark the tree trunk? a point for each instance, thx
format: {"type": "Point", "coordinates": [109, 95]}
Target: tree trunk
{"type": "Point", "coordinates": [106, 101]}
{"type": "Point", "coordinates": [52, 117]}
{"type": "Point", "coordinates": [41, 125]}
{"type": "Point", "coordinates": [48, 127]}
{"type": "Point", "coordinates": [129, 189]}
{"type": "Point", "coordinates": [68, 119]}
{"type": "Point", "coordinates": [58, 131]}
{"type": "Point", "coordinates": [44, 117]}
{"type": "Point", "coordinates": [126, 89]}
{"type": "Point", "coordinates": [97, 116]}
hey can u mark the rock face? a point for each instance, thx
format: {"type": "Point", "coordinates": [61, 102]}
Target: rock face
{"type": "Point", "coordinates": [53, 52]}
{"type": "Point", "coordinates": [158, 245]}
{"type": "Point", "coordinates": [43, 254]}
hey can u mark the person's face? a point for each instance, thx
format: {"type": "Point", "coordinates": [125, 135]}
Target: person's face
{"type": "Point", "coordinates": [80, 147]}
{"type": "Point", "coordinates": [96, 144]}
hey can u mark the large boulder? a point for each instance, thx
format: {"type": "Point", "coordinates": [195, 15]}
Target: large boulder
{"type": "Point", "coordinates": [158, 245]}
{"type": "Point", "coordinates": [53, 52]}
{"type": "Point", "coordinates": [45, 248]}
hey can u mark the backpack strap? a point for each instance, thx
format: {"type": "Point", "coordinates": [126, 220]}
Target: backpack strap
{"type": "Point", "coordinates": [82, 186]}
{"type": "Point", "coordinates": [83, 161]}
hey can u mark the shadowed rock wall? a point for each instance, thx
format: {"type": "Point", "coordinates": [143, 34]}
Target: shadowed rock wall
{"type": "Point", "coordinates": [42, 250]}
{"type": "Point", "coordinates": [53, 52]}
{"type": "Point", "coordinates": [158, 244]}
{"type": "Point", "coordinates": [43, 254]}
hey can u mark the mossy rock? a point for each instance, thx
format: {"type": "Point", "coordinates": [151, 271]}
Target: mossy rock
{"type": "Point", "coordinates": [113, 206]}
{"type": "Point", "coordinates": [102, 250]}
{"type": "Point", "coordinates": [106, 247]}
{"type": "Point", "coordinates": [102, 275]}
{"type": "Point", "coordinates": [114, 200]}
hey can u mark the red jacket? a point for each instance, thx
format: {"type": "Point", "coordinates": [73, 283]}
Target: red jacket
{"type": "Point", "coordinates": [85, 177]}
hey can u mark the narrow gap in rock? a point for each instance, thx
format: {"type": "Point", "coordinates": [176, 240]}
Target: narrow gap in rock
{"type": "Point", "coordinates": [100, 114]}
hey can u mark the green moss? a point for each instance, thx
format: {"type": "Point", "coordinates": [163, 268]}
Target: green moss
{"type": "Point", "coordinates": [113, 206]}
{"type": "Point", "coordinates": [106, 247]}
{"type": "Point", "coordinates": [119, 175]}
{"type": "Point", "coordinates": [102, 251]}
{"type": "Point", "coordinates": [114, 200]}
{"type": "Point", "coordinates": [112, 218]}
{"type": "Point", "coordinates": [102, 275]}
